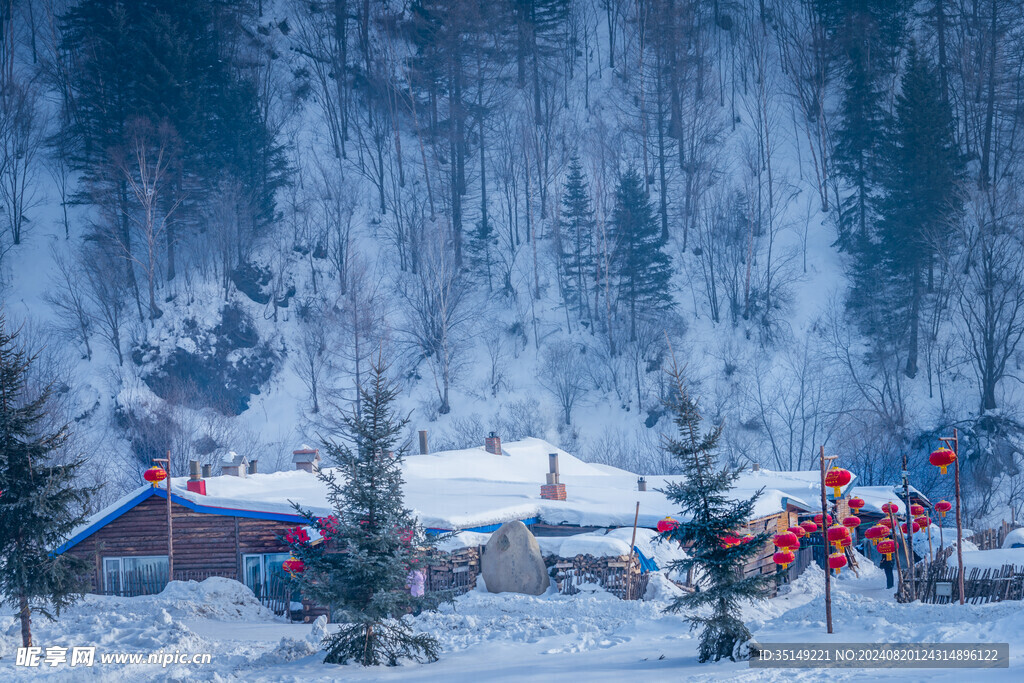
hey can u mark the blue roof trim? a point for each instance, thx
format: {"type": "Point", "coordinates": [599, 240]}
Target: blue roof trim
{"type": "Point", "coordinates": [184, 502]}
{"type": "Point", "coordinates": [530, 521]}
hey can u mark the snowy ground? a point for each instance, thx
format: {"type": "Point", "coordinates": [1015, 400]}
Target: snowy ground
{"type": "Point", "coordinates": [509, 637]}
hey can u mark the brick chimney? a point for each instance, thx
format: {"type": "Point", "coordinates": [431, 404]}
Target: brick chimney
{"type": "Point", "coordinates": [307, 459]}
{"type": "Point", "coordinates": [234, 465]}
{"type": "Point", "coordinates": [492, 444]}
{"type": "Point", "coordinates": [195, 484]}
{"type": "Point", "coordinates": [553, 489]}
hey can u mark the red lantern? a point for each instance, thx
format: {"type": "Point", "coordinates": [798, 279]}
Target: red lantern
{"type": "Point", "coordinates": [887, 547]}
{"type": "Point", "coordinates": [786, 539]}
{"type": "Point", "coordinates": [886, 522]}
{"type": "Point", "coordinates": [809, 526]}
{"type": "Point", "coordinates": [747, 539]}
{"type": "Point", "coordinates": [666, 525]}
{"type": "Point", "coordinates": [942, 458]}
{"type": "Point", "coordinates": [837, 533]}
{"type": "Point", "coordinates": [856, 504]}
{"type": "Point", "coordinates": [890, 508]}
{"type": "Point", "coordinates": [851, 522]}
{"type": "Point", "coordinates": [846, 542]}
{"type": "Point", "coordinates": [154, 475]}
{"type": "Point", "coordinates": [943, 506]}
{"type": "Point", "coordinates": [876, 533]}
{"type": "Point", "coordinates": [728, 541]}
{"type": "Point", "coordinates": [784, 557]}
{"type": "Point", "coordinates": [916, 510]}
{"type": "Point", "coordinates": [837, 561]}
{"type": "Point", "coordinates": [837, 478]}
{"type": "Point", "coordinates": [293, 566]}
{"type": "Point", "coordinates": [817, 520]}
{"type": "Point", "coordinates": [797, 531]}
{"type": "Point", "coordinates": [923, 521]}
{"type": "Point", "coordinates": [916, 528]}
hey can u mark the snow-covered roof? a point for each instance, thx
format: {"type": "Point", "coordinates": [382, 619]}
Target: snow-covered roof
{"type": "Point", "coordinates": [473, 489]}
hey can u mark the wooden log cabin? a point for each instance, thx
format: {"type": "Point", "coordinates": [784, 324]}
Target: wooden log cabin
{"type": "Point", "coordinates": [232, 525]}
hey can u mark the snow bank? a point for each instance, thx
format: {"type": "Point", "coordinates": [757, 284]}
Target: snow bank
{"type": "Point", "coordinates": [1014, 539]}
{"type": "Point", "coordinates": [991, 559]}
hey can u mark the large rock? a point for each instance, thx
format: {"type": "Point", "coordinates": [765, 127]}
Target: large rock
{"type": "Point", "coordinates": [512, 562]}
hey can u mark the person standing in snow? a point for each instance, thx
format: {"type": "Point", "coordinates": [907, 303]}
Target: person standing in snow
{"type": "Point", "coordinates": [415, 581]}
{"type": "Point", "coordinates": [886, 566]}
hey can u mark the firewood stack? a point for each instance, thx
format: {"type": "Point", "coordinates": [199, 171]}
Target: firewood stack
{"type": "Point", "coordinates": [619, 575]}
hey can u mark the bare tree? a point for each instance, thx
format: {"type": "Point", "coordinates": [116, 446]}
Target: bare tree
{"type": "Point", "coordinates": [106, 294]}
{"type": "Point", "coordinates": [70, 300]}
{"type": "Point", "coordinates": [562, 374]}
{"type": "Point", "coordinates": [21, 137]}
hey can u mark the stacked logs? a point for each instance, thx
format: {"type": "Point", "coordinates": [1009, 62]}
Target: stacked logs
{"type": "Point", "coordinates": [455, 571]}
{"type": "Point", "coordinates": [619, 575]}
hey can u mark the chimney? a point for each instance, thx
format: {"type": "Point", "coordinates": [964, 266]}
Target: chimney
{"type": "Point", "coordinates": [641, 484]}
{"type": "Point", "coordinates": [252, 467]}
{"type": "Point", "coordinates": [492, 444]}
{"type": "Point", "coordinates": [234, 465]}
{"type": "Point", "coordinates": [207, 471]}
{"type": "Point", "coordinates": [423, 442]}
{"type": "Point", "coordinates": [195, 482]}
{"type": "Point", "coordinates": [306, 459]}
{"type": "Point", "coordinates": [552, 490]}
{"type": "Point", "coordinates": [756, 467]}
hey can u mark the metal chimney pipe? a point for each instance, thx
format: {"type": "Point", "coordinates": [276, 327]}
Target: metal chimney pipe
{"type": "Point", "coordinates": [424, 450]}
{"type": "Point", "coordinates": [252, 467]}
{"type": "Point", "coordinates": [193, 470]}
{"type": "Point", "coordinates": [207, 471]}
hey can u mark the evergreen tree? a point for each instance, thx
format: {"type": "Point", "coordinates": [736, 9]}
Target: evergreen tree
{"type": "Point", "coordinates": [711, 515]}
{"type": "Point", "coordinates": [40, 503]}
{"type": "Point", "coordinates": [577, 239]}
{"type": "Point", "coordinates": [922, 197]}
{"type": "Point", "coordinates": [372, 541]}
{"type": "Point", "coordinates": [643, 269]}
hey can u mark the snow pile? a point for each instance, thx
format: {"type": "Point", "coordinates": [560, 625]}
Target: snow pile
{"type": "Point", "coordinates": [991, 559]}
{"type": "Point", "coordinates": [214, 598]}
{"type": "Point", "coordinates": [1014, 539]}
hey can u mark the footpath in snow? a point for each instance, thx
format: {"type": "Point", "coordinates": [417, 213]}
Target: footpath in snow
{"type": "Point", "coordinates": [507, 637]}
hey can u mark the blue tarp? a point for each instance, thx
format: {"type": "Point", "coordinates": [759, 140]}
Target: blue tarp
{"type": "Point", "coordinates": [647, 564]}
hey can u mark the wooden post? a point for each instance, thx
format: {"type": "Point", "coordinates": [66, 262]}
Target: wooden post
{"type": "Point", "coordinates": [632, 545]}
{"type": "Point", "coordinates": [910, 530]}
{"type": "Point", "coordinates": [896, 535]}
{"type": "Point", "coordinates": [170, 527]}
{"type": "Point", "coordinates": [824, 538]}
{"type": "Point", "coordinates": [959, 525]}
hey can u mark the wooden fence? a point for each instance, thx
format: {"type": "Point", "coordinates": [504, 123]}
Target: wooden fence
{"type": "Point", "coordinates": [992, 539]}
{"type": "Point", "coordinates": [940, 585]}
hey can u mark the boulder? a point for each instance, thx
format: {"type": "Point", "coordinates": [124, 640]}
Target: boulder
{"type": "Point", "coordinates": [512, 562]}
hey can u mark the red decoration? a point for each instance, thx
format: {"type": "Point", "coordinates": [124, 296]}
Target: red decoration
{"type": "Point", "coordinates": [797, 531]}
{"type": "Point", "coordinates": [293, 566]}
{"type": "Point", "coordinates": [154, 475]}
{"type": "Point", "coordinates": [296, 536]}
{"type": "Point", "coordinates": [886, 522]}
{"type": "Point", "coordinates": [856, 504]}
{"type": "Point", "coordinates": [784, 557]}
{"type": "Point", "coordinates": [887, 547]}
{"type": "Point", "coordinates": [328, 526]}
{"type": "Point", "coordinates": [890, 508]}
{"type": "Point", "coordinates": [876, 533]}
{"type": "Point", "coordinates": [405, 535]}
{"type": "Point", "coordinates": [809, 526]}
{"type": "Point", "coordinates": [916, 527]}
{"type": "Point", "coordinates": [942, 458]}
{"type": "Point", "coordinates": [786, 540]}
{"type": "Point", "coordinates": [851, 522]}
{"type": "Point", "coordinates": [667, 524]}
{"type": "Point", "coordinates": [728, 541]}
{"type": "Point", "coordinates": [916, 510]}
{"type": "Point", "coordinates": [943, 506]}
{"type": "Point", "coordinates": [817, 520]}
{"type": "Point", "coordinates": [747, 539]}
{"type": "Point", "coordinates": [846, 542]}
{"type": "Point", "coordinates": [923, 521]}
{"type": "Point", "coordinates": [837, 561]}
{"type": "Point", "coordinates": [837, 533]}
{"type": "Point", "coordinates": [837, 478]}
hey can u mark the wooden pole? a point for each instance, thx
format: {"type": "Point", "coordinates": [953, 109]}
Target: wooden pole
{"type": "Point", "coordinates": [910, 530]}
{"type": "Point", "coordinates": [632, 549]}
{"type": "Point", "coordinates": [170, 527]}
{"type": "Point", "coordinates": [824, 538]}
{"type": "Point", "coordinates": [632, 543]}
{"type": "Point", "coordinates": [959, 525]}
{"type": "Point", "coordinates": [896, 535]}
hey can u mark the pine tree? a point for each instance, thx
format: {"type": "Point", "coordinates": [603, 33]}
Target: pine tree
{"type": "Point", "coordinates": [922, 197]}
{"type": "Point", "coordinates": [643, 269]}
{"type": "Point", "coordinates": [371, 542]}
{"type": "Point", "coordinates": [577, 239]}
{"type": "Point", "coordinates": [40, 503]}
{"type": "Point", "coordinates": [711, 516]}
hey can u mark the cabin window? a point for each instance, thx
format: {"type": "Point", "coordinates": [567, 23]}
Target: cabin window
{"type": "Point", "coordinates": [144, 575]}
{"type": "Point", "coordinates": [263, 572]}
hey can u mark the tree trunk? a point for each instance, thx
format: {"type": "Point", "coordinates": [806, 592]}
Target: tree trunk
{"type": "Point", "coordinates": [25, 616]}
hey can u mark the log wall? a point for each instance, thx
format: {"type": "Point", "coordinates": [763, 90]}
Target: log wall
{"type": "Point", "coordinates": [203, 543]}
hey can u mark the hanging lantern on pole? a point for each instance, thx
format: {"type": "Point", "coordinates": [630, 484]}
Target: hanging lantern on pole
{"type": "Point", "coordinates": [923, 521]}
{"type": "Point", "coordinates": [837, 561]}
{"type": "Point", "coordinates": [916, 510]}
{"type": "Point", "coordinates": [856, 504]}
{"type": "Point", "coordinates": [851, 522]}
{"type": "Point", "coordinates": [886, 522]}
{"type": "Point", "coordinates": [890, 508]}
{"type": "Point", "coordinates": [293, 566]}
{"type": "Point", "coordinates": [836, 478]}
{"type": "Point", "coordinates": [943, 506]}
{"type": "Point", "coordinates": [784, 557]}
{"type": "Point", "coordinates": [667, 524]}
{"type": "Point", "coordinates": [828, 520]}
{"type": "Point", "coordinates": [836, 533]}
{"type": "Point", "coordinates": [797, 531]}
{"type": "Point", "coordinates": [942, 458]}
{"type": "Point", "coordinates": [786, 539]}
{"type": "Point", "coordinates": [846, 542]}
{"type": "Point", "coordinates": [915, 528]}
{"type": "Point", "coordinates": [876, 533]}
{"type": "Point", "coordinates": [730, 541]}
{"type": "Point", "coordinates": [887, 547]}
{"type": "Point", "coordinates": [154, 475]}
{"type": "Point", "coordinates": [809, 526]}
